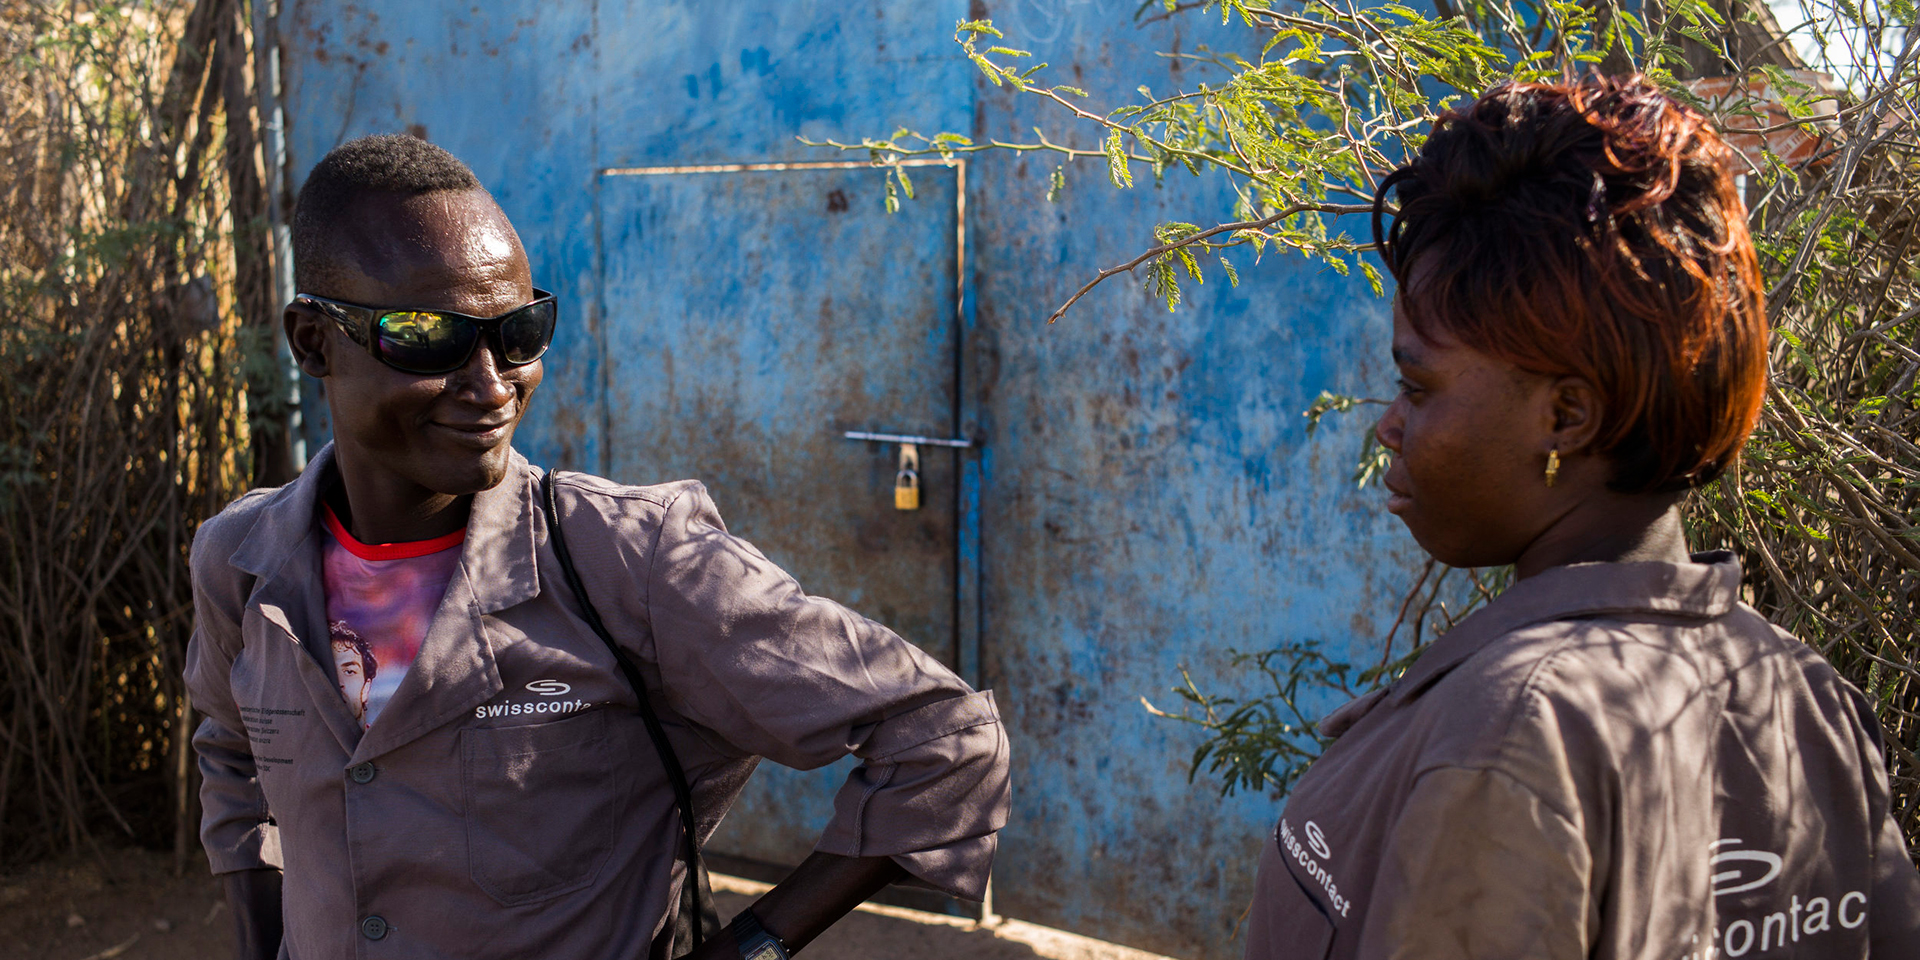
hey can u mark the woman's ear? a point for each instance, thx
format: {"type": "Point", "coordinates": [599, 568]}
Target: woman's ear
{"type": "Point", "coordinates": [1577, 412]}
{"type": "Point", "coordinates": [307, 339]}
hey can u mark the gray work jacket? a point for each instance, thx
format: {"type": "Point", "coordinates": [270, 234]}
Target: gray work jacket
{"type": "Point", "coordinates": [508, 802]}
{"type": "Point", "coordinates": [1610, 760]}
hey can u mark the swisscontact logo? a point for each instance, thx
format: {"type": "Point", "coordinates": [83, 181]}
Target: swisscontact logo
{"type": "Point", "coordinates": [1304, 854]}
{"type": "Point", "coordinates": [1317, 841]}
{"type": "Point", "coordinates": [1773, 919]}
{"type": "Point", "coordinates": [545, 688]}
{"type": "Point", "coordinates": [1737, 871]}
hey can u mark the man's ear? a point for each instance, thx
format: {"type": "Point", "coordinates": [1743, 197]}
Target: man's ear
{"type": "Point", "coordinates": [308, 339]}
{"type": "Point", "coordinates": [1577, 413]}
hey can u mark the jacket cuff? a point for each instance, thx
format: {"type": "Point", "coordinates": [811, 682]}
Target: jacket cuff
{"type": "Point", "coordinates": [246, 848]}
{"type": "Point", "coordinates": [931, 795]}
{"type": "Point", "coordinates": [959, 869]}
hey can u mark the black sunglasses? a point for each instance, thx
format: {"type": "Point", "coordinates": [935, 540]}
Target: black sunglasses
{"type": "Point", "coordinates": [441, 341]}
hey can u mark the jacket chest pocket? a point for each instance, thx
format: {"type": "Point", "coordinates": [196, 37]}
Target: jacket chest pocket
{"type": "Point", "coordinates": [1285, 922]}
{"type": "Point", "coordinates": [541, 802]}
{"type": "Point", "coordinates": [1313, 936]}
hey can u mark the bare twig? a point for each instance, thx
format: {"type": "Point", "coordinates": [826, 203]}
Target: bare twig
{"type": "Point", "coordinates": [1202, 237]}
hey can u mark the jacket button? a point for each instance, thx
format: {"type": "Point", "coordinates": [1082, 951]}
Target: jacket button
{"type": "Point", "coordinates": [373, 928]}
{"type": "Point", "coordinates": [362, 773]}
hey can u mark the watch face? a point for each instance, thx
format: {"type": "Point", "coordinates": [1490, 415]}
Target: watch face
{"type": "Point", "coordinates": [766, 951]}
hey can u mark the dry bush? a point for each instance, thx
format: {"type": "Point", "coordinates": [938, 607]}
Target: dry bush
{"type": "Point", "coordinates": [1825, 510]}
{"type": "Point", "coordinates": [126, 146]}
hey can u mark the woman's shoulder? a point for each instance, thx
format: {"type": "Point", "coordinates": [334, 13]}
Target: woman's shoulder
{"type": "Point", "coordinates": [1654, 667]}
{"type": "Point", "coordinates": [1605, 692]}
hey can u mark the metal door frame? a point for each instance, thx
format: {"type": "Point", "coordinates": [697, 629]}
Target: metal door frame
{"type": "Point", "coordinates": [967, 547]}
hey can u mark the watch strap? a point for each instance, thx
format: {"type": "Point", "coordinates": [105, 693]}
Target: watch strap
{"type": "Point", "coordinates": [754, 941]}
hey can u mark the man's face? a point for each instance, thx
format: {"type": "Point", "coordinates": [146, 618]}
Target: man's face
{"type": "Point", "coordinates": [451, 433]}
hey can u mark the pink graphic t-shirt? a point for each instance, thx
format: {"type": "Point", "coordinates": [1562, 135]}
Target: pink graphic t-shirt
{"type": "Point", "coordinates": [380, 599]}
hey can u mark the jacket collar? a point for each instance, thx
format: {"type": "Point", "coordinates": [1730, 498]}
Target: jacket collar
{"type": "Point", "coordinates": [1703, 589]}
{"type": "Point", "coordinates": [285, 520]}
{"type": "Point", "coordinates": [498, 553]}
{"type": "Point", "coordinates": [455, 669]}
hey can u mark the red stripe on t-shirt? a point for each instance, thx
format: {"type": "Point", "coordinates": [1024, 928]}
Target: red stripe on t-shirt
{"type": "Point", "coordinates": [388, 551]}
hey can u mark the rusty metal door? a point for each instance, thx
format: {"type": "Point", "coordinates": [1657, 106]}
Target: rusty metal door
{"type": "Point", "coordinates": [755, 314]}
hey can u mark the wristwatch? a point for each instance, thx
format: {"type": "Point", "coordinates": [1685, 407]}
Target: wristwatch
{"type": "Point", "coordinates": [754, 941]}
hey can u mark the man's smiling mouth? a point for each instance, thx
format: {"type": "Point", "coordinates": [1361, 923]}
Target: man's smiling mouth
{"type": "Point", "coordinates": [481, 433]}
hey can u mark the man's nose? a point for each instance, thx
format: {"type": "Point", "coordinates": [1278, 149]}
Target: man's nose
{"type": "Point", "coordinates": [482, 380]}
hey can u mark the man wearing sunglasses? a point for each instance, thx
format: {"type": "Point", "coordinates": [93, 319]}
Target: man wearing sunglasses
{"type": "Point", "coordinates": [496, 794]}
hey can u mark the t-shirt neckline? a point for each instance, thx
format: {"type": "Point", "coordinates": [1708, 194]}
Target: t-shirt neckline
{"type": "Point", "coordinates": [388, 551]}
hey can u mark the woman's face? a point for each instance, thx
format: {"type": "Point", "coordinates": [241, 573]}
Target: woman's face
{"type": "Point", "coordinates": [1470, 436]}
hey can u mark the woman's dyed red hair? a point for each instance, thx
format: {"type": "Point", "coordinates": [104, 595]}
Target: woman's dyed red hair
{"type": "Point", "coordinates": [1593, 229]}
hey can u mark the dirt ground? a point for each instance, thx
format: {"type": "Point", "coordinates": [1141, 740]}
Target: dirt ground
{"type": "Point", "coordinates": [75, 910]}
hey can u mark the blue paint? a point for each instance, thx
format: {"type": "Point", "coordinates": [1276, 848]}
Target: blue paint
{"type": "Point", "coordinates": [1146, 497]}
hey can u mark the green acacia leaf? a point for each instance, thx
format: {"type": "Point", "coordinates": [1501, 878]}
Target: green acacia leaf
{"type": "Point", "coordinates": [975, 28]}
{"type": "Point", "coordinates": [1117, 162]}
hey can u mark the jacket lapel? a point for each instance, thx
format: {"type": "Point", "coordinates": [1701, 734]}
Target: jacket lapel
{"type": "Point", "coordinates": [455, 670]}
{"type": "Point", "coordinates": [282, 552]}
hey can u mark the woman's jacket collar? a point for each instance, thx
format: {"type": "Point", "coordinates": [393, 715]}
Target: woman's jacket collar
{"type": "Point", "coordinates": [1703, 589]}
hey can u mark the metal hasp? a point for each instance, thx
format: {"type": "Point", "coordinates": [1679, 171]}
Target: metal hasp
{"type": "Point", "coordinates": [906, 483]}
{"type": "Point", "coordinates": [957, 443]}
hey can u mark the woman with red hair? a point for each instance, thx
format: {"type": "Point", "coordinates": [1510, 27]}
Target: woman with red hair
{"type": "Point", "coordinates": [1616, 758]}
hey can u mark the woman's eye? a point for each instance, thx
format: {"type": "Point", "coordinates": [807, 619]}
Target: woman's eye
{"type": "Point", "coordinates": [1407, 389]}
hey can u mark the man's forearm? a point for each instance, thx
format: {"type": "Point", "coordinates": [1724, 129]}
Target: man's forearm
{"type": "Point", "coordinates": [254, 898]}
{"type": "Point", "coordinates": [821, 890]}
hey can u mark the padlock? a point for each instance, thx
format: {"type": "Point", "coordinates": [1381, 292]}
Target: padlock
{"type": "Point", "coordinates": [906, 483]}
{"type": "Point", "coordinates": [906, 490]}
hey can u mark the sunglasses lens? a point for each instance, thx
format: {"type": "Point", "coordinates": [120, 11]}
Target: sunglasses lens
{"type": "Point", "coordinates": [422, 342]}
{"type": "Point", "coordinates": [524, 334]}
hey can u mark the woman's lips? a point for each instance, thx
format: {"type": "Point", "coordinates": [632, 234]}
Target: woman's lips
{"type": "Point", "coordinates": [1397, 499]}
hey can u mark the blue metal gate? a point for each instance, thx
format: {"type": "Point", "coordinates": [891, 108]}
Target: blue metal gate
{"type": "Point", "coordinates": [756, 316]}
{"type": "Point", "coordinates": [1141, 494]}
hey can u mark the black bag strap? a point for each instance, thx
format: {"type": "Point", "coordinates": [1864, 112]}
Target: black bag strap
{"type": "Point", "coordinates": [696, 920]}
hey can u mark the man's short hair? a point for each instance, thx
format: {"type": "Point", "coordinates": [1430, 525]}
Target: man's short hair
{"type": "Point", "coordinates": [1594, 228]}
{"type": "Point", "coordinates": [387, 163]}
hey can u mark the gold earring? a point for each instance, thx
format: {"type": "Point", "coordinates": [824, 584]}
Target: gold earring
{"type": "Point", "coordinates": [1553, 466]}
